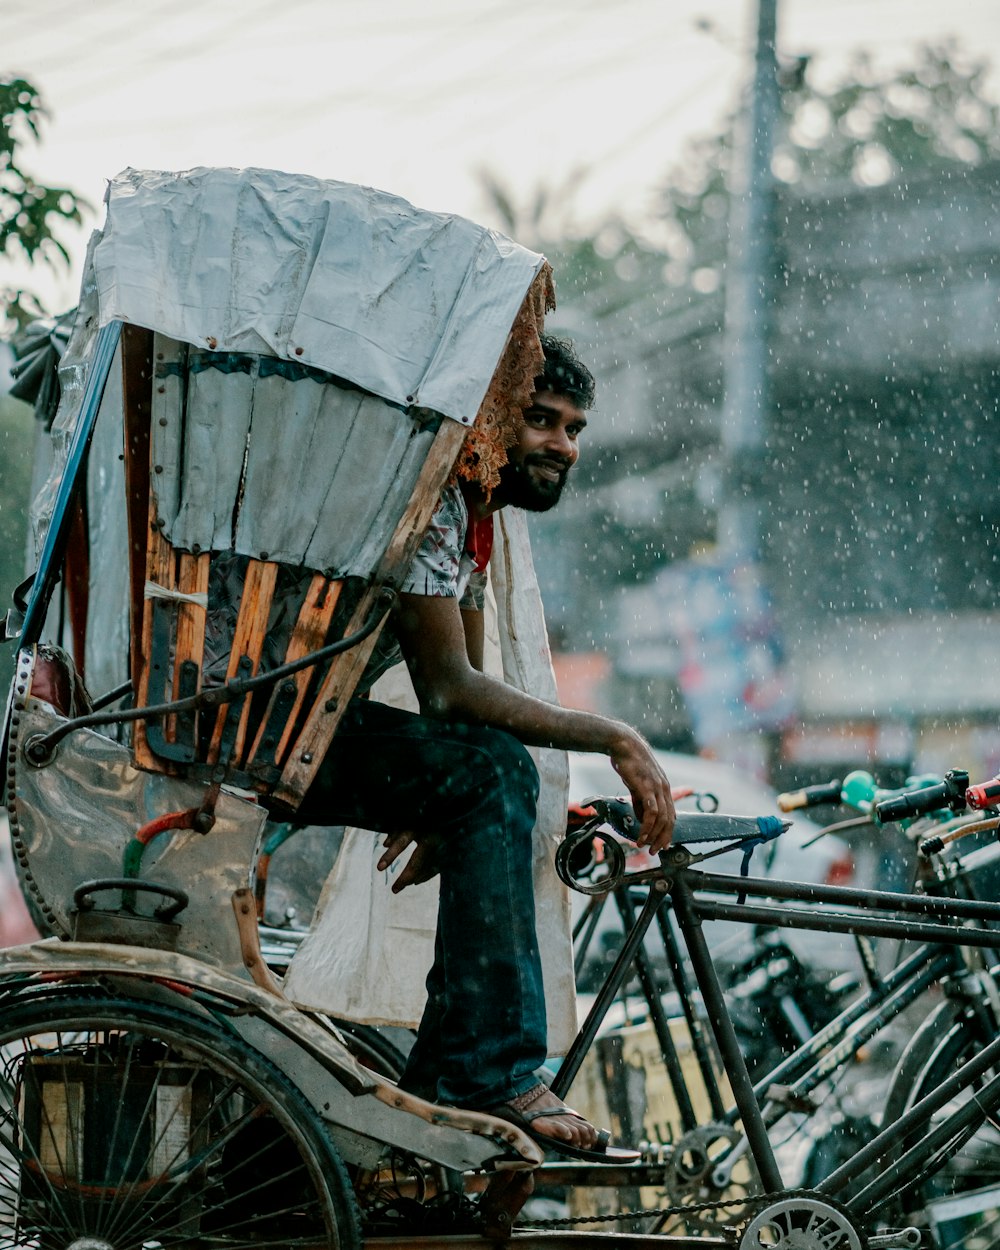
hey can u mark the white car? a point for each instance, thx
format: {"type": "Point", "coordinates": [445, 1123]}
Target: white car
{"type": "Point", "coordinates": [794, 856]}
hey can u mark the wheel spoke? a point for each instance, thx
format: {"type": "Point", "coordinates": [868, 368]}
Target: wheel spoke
{"type": "Point", "coordinates": [185, 1166]}
{"type": "Point", "coordinates": [157, 1128]}
{"type": "Point", "coordinates": [110, 1227]}
{"type": "Point", "coordinates": [129, 1197]}
{"type": "Point", "coordinates": [32, 1162]}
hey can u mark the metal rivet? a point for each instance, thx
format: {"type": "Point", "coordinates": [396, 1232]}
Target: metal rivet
{"type": "Point", "coordinates": [263, 555]}
{"type": "Point", "coordinates": [163, 420]}
{"type": "Point", "coordinates": [161, 390]}
{"type": "Point", "coordinates": [157, 468]}
{"type": "Point", "coordinates": [330, 705]}
{"type": "Point", "coordinates": [307, 758]}
{"type": "Point", "coordinates": [212, 342]}
{"type": "Point", "coordinates": [298, 351]}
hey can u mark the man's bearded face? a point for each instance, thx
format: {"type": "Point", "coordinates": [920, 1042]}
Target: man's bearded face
{"type": "Point", "coordinates": [547, 448]}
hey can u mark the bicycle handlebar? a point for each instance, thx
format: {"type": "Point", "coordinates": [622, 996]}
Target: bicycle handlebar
{"type": "Point", "coordinates": [689, 827]}
{"type": "Point", "coordinates": [810, 796]}
{"type": "Point", "coordinates": [585, 820]}
{"type": "Point", "coordinates": [949, 793]}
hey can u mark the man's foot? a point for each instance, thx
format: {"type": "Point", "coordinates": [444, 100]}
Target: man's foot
{"type": "Point", "coordinates": [540, 1114]}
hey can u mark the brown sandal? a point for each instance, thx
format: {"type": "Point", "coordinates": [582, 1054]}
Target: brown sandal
{"type": "Point", "coordinates": [516, 1112]}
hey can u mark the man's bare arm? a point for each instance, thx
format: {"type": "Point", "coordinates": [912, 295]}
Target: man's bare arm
{"type": "Point", "coordinates": [473, 627]}
{"type": "Point", "coordinates": [433, 640]}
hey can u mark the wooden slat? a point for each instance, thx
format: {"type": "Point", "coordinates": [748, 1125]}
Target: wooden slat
{"type": "Point", "coordinates": [192, 579]}
{"type": "Point", "coordinates": [426, 492]}
{"type": "Point", "coordinates": [346, 670]}
{"type": "Point", "coordinates": [317, 733]}
{"type": "Point", "coordinates": [309, 635]}
{"type": "Point", "coordinates": [245, 910]}
{"type": "Point", "coordinates": [189, 644]}
{"type": "Point", "coordinates": [248, 639]}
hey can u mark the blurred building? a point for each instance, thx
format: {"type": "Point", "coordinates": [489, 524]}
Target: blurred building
{"type": "Point", "coordinates": [880, 513]}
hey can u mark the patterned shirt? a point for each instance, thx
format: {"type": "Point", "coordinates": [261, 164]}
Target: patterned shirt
{"type": "Point", "coordinates": [450, 563]}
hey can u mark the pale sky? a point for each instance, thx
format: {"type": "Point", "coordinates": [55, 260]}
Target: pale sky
{"type": "Point", "coordinates": [415, 98]}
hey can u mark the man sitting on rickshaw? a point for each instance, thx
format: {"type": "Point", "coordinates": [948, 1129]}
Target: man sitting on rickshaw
{"type": "Point", "coordinates": [457, 775]}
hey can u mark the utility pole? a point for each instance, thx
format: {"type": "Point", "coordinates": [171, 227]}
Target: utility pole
{"type": "Point", "coordinates": [749, 304]}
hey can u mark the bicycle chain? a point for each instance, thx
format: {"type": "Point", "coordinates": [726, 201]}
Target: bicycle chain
{"type": "Point", "coordinates": [649, 1212]}
{"type": "Point", "coordinates": [758, 1200]}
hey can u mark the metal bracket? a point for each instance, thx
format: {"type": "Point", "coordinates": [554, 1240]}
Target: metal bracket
{"type": "Point", "coordinates": [183, 749]}
{"type": "Point", "coordinates": [264, 765]}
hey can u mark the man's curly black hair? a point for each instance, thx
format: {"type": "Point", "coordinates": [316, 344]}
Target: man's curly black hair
{"type": "Point", "coordinates": [565, 373]}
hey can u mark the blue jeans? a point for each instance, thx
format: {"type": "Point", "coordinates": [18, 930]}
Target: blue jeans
{"type": "Point", "coordinates": [483, 1032]}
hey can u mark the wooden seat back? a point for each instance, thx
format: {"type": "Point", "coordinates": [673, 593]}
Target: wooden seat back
{"type": "Point", "coordinates": [203, 617]}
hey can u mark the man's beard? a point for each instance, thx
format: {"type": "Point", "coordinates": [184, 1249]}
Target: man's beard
{"type": "Point", "coordinates": [518, 488]}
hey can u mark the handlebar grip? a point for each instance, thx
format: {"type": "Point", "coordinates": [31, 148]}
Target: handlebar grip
{"type": "Point", "coordinates": [949, 793]}
{"type": "Point", "coordinates": [810, 796]}
{"type": "Point", "coordinates": [986, 794]}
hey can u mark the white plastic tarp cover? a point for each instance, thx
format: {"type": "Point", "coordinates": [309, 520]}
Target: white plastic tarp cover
{"type": "Point", "coordinates": [312, 472]}
{"type": "Point", "coordinates": [411, 305]}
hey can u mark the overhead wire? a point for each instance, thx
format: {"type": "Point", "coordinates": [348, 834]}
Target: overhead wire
{"type": "Point", "coordinates": [204, 43]}
{"type": "Point", "coordinates": [500, 58]}
{"type": "Point", "coordinates": [544, 59]}
{"type": "Point", "coordinates": [79, 50]}
{"type": "Point", "coordinates": [235, 20]}
{"type": "Point", "coordinates": [208, 39]}
{"type": "Point", "coordinates": [473, 87]}
{"type": "Point", "coordinates": [385, 100]}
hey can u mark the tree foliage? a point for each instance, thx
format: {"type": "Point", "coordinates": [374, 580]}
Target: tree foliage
{"type": "Point", "coordinates": [31, 213]}
{"type": "Point", "coordinates": [868, 127]}
{"type": "Point", "coordinates": [872, 126]}
{"type": "Point", "coordinates": [597, 272]}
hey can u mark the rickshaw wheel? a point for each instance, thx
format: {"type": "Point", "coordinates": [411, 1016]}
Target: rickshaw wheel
{"type": "Point", "coordinates": [127, 1126]}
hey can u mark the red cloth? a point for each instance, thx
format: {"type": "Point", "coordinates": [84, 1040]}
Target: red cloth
{"type": "Point", "coordinates": [479, 541]}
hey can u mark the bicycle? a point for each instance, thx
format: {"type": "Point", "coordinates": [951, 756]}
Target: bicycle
{"type": "Point", "coordinates": [872, 912]}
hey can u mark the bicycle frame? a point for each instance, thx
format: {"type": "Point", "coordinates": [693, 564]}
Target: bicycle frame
{"type": "Point", "coordinates": [806, 1068]}
{"type": "Point", "coordinates": [694, 896]}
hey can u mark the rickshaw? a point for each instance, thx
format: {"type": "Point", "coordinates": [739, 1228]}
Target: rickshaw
{"type": "Point", "coordinates": [266, 385]}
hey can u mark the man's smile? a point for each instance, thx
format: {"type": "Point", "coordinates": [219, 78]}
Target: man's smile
{"type": "Point", "coordinates": [549, 469]}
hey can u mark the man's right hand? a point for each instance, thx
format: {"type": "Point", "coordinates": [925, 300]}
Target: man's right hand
{"type": "Point", "coordinates": [633, 760]}
{"type": "Point", "coordinates": [422, 864]}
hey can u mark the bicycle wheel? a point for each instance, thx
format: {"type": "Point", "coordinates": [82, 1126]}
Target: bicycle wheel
{"type": "Point", "coordinates": [373, 1048]}
{"type": "Point", "coordinates": [957, 1196]}
{"type": "Point", "coordinates": [127, 1126]}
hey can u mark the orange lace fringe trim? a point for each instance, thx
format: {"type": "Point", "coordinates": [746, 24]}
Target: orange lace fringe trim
{"type": "Point", "coordinates": [498, 422]}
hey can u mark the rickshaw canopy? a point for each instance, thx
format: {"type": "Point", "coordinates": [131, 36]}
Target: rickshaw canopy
{"type": "Point", "coordinates": [410, 305]}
